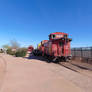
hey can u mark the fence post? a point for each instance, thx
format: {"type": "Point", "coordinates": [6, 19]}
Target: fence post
{"type": "Point", "coordinates": [74, 52]}
{"type": "Point", "coordinates": [91, 52]}
{"type": "Point", "coordinates": [81, 53]}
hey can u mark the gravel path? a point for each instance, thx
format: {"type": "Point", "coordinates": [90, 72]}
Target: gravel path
{"type": "Point", "coordinates": [34, 75]}
{"type": "Point", "coordinates": [81, 80]}
{"type": "Point", "coordinates": [3, 67]}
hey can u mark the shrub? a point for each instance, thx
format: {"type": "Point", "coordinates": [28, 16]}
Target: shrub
{"type": "Point", "coordinates": [10, 52]}
{"type": "Point", "coordinates": [21, 52]}
{"type": "Point", "coordinates": [1, 51]}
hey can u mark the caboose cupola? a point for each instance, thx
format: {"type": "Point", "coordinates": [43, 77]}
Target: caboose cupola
{"type": "Point", "coordinates": [57, 35]}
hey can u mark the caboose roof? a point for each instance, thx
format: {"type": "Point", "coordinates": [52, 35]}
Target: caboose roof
{"type": "Point", "coordinates": [59, 33]}
{"type": "Point", "coordinates": [44, 40]}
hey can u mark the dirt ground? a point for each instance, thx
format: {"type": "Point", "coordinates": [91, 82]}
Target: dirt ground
{"type": "Point", "coordinates": [35, 75]}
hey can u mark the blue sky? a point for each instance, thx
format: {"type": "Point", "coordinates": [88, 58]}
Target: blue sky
{"type": "Point", "coordinates": [30, 21]}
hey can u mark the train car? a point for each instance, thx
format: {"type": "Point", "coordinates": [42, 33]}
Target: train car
{"type": "Point", "coordinates": [30, 49]}
{"type": "Point", "coordinates": [58, 47]}
{"type": "Point", "coordinates": [42, 46]}
{"type": "Point", "coordinates": [38, 51]}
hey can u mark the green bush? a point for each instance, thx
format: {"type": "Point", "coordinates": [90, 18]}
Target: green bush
{"type": "Point", "coordinates": [18, 53]}
{"type": "Point", "coordinates": [10, 52]}
{"type": "Point", "coordinates": [1, 51]}
{"type": "Point", "coordinates": [21, 52]}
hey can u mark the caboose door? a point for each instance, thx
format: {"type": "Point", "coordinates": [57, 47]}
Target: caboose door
{"type": "Point", "coordinates": [61, 48]}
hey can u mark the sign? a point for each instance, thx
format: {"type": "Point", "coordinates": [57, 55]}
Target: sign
{"type": "Point", "coordinates": [59, 36]}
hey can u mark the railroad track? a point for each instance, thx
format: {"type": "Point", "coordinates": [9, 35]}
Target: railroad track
{"type": "Point", "coordinates": [84, 70]}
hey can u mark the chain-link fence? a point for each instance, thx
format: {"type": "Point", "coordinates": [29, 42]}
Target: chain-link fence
{"type": "Point", "coordinates": [82, 52]}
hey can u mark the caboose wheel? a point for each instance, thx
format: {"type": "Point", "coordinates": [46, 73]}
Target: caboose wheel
{"type": "Point", "coordinates": [49, 61]}
{"type": "Point", "coordinates": [55, 60]}
{"type": "Point", "coordinates": [66, 59]}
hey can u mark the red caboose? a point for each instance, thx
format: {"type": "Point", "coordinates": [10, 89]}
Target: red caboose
{"type": "Point", "coordinates": [58, 47]}
{"type": "Point", "coordinates": [30, 49]}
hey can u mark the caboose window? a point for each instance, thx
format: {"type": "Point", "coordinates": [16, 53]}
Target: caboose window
{"type": "Point", "coordinates": [65, 36]}
{"type": "Point", "coordinates": [53, 36]}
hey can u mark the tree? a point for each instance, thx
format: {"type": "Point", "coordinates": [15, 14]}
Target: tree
{"type": "Point", "coordinates": [14, 49]}
{"type": "Point", "coordinates": [6, 47]}
{"type": "Point", "coordinates": [14, 44]}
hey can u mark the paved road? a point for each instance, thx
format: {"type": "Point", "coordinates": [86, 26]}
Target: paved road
{"type": "Point", "coordinates": [33, 75]}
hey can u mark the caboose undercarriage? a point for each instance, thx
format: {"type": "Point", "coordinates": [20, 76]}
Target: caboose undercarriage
{"type": "Point", "coordinates": [57, 59]}
{"type": "Point", "coordinates": [53, 59]}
